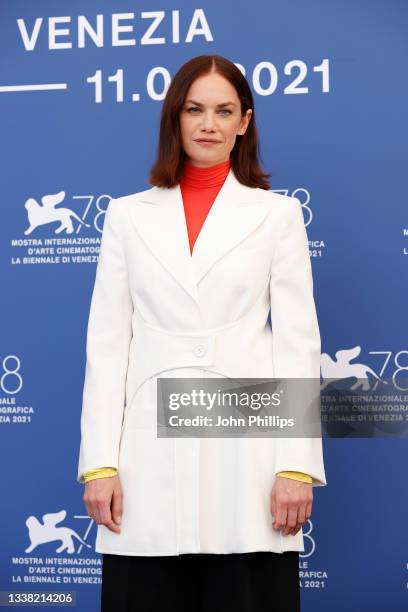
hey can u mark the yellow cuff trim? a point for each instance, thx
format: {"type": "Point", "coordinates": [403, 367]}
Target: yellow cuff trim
{"type": "Point", "coordinates": [297, 476]}
{"type": "Point", "coordinates": [98, 473]}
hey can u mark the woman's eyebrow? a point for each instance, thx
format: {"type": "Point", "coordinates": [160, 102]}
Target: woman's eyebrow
{"type": "Point", "coordinates": [218, 105]}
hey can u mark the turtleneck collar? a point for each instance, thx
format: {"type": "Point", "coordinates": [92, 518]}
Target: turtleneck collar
{"type": "Point", "coordinates": [200, 178]}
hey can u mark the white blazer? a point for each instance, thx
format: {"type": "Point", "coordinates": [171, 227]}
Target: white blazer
{"type": "Point", "coordinates": [157, 310]}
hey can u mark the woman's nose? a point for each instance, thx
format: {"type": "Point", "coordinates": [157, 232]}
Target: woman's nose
{"type": "Point", "coordinates": [208, 121]}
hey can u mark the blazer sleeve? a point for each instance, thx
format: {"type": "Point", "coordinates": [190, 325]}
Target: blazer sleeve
{"type": "Point", "coordinates": [109, 333]}
{"type": "Point", "coordinates": [295, 333]}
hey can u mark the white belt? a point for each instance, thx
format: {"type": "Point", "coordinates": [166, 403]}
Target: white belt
{"type": "Point", "coordinates": [242, 348]}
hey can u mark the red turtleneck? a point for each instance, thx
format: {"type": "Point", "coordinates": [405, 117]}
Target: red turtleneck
{"type": "Point", "coordinates": [199, 188]}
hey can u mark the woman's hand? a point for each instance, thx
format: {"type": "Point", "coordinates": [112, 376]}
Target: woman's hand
{"type": "Point", "coordinates": [291, 504]}
{"type": "Point", "coordinates": [103, 501]}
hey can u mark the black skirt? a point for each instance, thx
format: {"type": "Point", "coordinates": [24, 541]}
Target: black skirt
{"type": "Point", "coordinates": [243, 582]}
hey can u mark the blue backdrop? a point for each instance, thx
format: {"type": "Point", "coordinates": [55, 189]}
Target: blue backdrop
{"type": "Point", "coordinates": [80, 92]}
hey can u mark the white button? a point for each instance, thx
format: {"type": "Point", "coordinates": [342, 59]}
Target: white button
{"type": "Point", "coordinates": [200, 350]}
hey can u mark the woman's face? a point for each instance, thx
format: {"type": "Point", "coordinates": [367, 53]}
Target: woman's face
{"type": "Point", "coordinates": [211, 112]}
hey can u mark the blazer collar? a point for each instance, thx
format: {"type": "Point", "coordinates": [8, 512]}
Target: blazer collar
{"type": "Point", "coordinates": [159, 219]}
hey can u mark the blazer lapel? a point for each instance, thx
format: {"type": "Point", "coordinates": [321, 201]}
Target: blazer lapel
{"type": "Point", "coordinates": [159, 219]}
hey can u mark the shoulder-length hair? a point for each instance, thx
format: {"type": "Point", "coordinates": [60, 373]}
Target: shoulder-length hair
{"type": "Point", "coordinates": [244, 158]}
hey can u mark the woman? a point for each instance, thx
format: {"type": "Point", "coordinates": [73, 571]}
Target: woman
{"type": "Point", "coordinates": [187, 273]}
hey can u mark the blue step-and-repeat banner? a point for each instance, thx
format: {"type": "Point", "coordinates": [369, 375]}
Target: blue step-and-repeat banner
{"type": "Point", "coordinates": [81, 91]}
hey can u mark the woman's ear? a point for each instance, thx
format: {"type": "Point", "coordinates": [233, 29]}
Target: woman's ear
{"type": "Point", "coordinates": [245, 122]}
